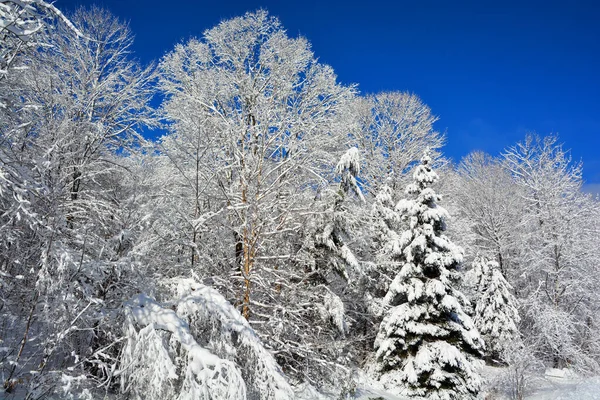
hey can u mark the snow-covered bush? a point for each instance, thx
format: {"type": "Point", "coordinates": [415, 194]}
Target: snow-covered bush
{"type": "Point", "coordinates": [162, 360]}
{"type": "Point", "coordinates": [221, 328]}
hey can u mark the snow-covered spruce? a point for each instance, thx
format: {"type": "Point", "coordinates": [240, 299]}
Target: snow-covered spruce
{"type": "Point", "coordinates": [384, 230]}
{"type": "Point", "coordinates": [496, 315]}
{"type": "Point", "coordinates": [426, 344]}
{"type": "Point", "coordinates": [385, 216]}
{"type": "Point", "coordinates": [334, 232]}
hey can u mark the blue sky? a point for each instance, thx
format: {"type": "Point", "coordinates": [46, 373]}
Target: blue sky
{"type": "Point", "coordinates": [491, 70]}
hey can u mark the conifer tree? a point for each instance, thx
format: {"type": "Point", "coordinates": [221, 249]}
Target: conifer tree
{"type": "Point", "coordinates": [496, 316]}
{"type": "Point", "coordinates": [383, 230]}
{"type": "Point", "coordinates": [426, 343]}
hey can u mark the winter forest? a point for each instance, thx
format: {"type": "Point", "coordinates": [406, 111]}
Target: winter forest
{"type": "Point", "coordinates": [282, 236]}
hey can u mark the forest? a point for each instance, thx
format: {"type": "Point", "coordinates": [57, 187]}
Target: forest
{"type": "Point", "coordinates": [234, 223]}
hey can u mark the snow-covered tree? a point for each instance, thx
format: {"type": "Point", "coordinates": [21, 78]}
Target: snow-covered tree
{"type": "Point", "coordinates": [426, 343]}
{"type": "Point", "coordinates": [74, 106]}
{"type": "Point", "coordinates": [395, 128]}
{"type": "Point", "coordinates": [490, 208]}
{"type": "Point", "coordinates": [257, 126]}
{"type": "Point", "coordinates": [333, 229]}
{"type": "Point", "coordinates": [496, 314]}
{"type": "Point", "coordinates": [273, 116]}
{"type": "Point", "coordinates": [557, 260]}
{"type": "Point", "coordinates": [526, 210]}
{"type": "Point", "coordinates": [22, 27]}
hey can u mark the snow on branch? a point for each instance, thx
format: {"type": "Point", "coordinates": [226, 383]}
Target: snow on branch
{"type": "Point", "coordinates": [21, 17]}
{"type": "Point", "coordinates": [148, 360]}
{"type": "Point", "coordinates": [232, 337]}
{"type": "Point", "coordinates": [349, 161]}
{"type": "Point", "coordinates": [348, 168]}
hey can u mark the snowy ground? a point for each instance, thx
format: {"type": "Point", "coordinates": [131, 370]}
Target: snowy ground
{"type": "Point", "coordinates": [309, 393]}
{"type": "Point", "coordinates": [582, 389]}
{"type": "Point", "coordinates": [560, 384]}
{"type": "Point", "coordinates": [553, 385]}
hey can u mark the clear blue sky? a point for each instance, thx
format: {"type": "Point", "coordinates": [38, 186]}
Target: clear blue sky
{"type": "Point", "coordinates": [491, 70]}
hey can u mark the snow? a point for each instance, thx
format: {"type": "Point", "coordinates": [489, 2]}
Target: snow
{"type": "Point", "coordinates": [370, 393]}
{"type": "Point", "coordinates": [348, 168]}
{"type": "Point", "coordinates": [365, 389]}
{"type": "Point", "coordinates": [553, 384]}
{"type": "Point", "coordinates": [422, 343]}
{"type": "Point", "coordinates": [233, 337]}
{"type": "Point", "coordinates": [256, 126]}
{"type": "Point", "coordinates": [349, 161]}
{"type": "Point", "coordinates": [334, 309]}
{"type": "Point", "coordinates": [556, 388]}
{"type": "Point", "coordinates": [206, 375]}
